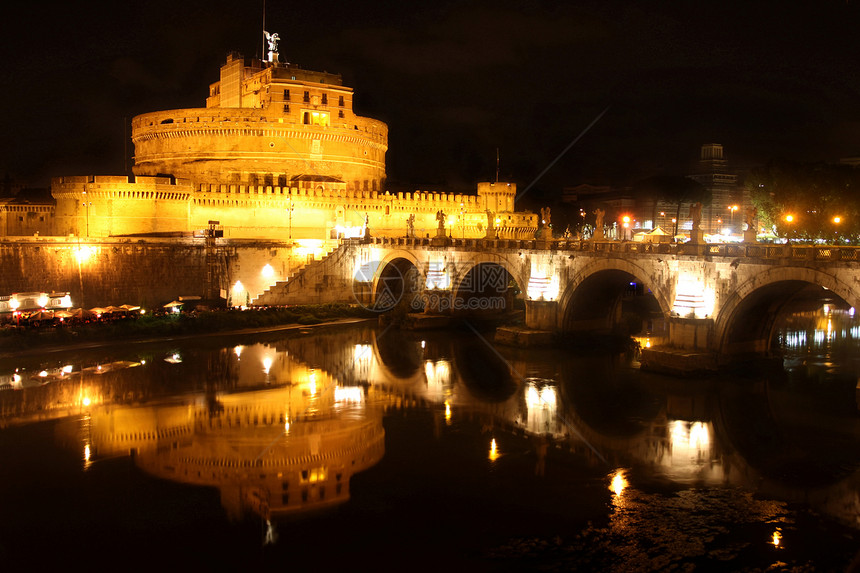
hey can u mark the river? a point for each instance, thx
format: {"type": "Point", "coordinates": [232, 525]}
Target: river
{"type": "Point", "coordinates": [376, 449]}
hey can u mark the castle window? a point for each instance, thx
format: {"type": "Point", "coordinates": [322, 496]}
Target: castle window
{"type": "Point", "coordinates": [340, 113]}
{"type": "Point", "coordinates": [307, 97]}
{"type": "Point", "coordinates": [286, 95]}
{"type": "Point", "coordinates": [316, 118]}
{"type": "Point", "coordinates": [286, 108]}
{"type": "Point", "coordinates": [325, 99]}
{"type": "Point", "coordinates": [340, 101]}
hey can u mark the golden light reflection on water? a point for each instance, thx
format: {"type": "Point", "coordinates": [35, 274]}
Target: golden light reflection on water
{"type": "Point", "coordinates": [776, 538]}
{"type": "Point", "coordinates": [448, 412]}
{"type": "Point", "coordinates": [494, 452]}
{"type": "Point", "coordinates": [619, 482]}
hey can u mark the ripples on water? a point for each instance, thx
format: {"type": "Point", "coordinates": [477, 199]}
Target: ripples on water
{"type": "Point", "coordinates": [371, 449]}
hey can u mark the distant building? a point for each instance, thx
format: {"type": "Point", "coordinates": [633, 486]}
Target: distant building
{"type": "Point", "coordinates": [29, 212]}
{"type": "Point", "coordinates": [727, 205]}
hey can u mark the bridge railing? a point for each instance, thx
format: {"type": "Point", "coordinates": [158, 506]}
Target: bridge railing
{"type": "Point", "coordinates": [734, 250]}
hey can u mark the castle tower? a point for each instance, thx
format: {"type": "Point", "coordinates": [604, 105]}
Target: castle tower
{"type": "Point", "coordinates": [266, 124]}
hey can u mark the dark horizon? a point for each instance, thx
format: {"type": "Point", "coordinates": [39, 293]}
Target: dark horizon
{"type": "Point", "coordinates": [455, 82]}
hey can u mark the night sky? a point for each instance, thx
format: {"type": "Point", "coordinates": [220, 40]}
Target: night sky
{"type": "Point", "coordinates": [456, 80]}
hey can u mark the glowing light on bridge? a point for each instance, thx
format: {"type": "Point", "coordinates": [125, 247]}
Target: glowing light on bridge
{"type": "Point", "coordinates": [692, 298]}
{"type": "Point", "coordinates": [437, 276]}
{"type": "Point", "coordinates": [543, 283]}
{"type": "Point", "coordinates": [349, 232]}
{"type": "Point", "coordinates": [310, 248]}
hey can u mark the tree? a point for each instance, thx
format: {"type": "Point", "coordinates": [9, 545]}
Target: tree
{"type": "Point", "coordinates": [807, 201]}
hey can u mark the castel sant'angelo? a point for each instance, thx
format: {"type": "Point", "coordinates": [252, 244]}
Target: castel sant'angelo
{"type": "Point", "coordinates": [277, 166]}
{"type": "Point", "coordinates": [277, 153]}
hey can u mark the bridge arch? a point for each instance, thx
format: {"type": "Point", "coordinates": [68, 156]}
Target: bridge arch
{"type": "Point", "coordinates": [398, 279]}
{"type": "Point", "coordinates": [745, 321]}
{"type": "Point", "coordinates": [592, 298]}
{"type": "Point", "coordinates": [481, 284]}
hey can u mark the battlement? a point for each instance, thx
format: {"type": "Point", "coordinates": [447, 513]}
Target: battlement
{"type": "Point", "coordinates": [107, 180]}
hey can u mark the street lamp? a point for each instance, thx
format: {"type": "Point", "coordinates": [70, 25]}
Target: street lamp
{"type": "Point", "coordinates": [86, 205]}
{"type": "Point", "coordinates": [789, 218]}
{"type": "Point", "coordinates": [732, 209]}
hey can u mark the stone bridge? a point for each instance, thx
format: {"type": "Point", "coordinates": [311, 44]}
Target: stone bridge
{"type": "Point", "coordinates": [709, 302]}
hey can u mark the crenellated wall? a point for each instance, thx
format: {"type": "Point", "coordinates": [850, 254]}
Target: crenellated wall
{"type": "Point", "coordinates": [103, 206]}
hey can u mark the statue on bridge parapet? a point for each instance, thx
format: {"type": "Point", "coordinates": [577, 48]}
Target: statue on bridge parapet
{"type": "Point", "coordinates": [366, 236]}
{"type": "Point", "coordinates": [696, 235]}
{"type": "Point", "coordinates": [410, 226]}
{"type": "Point", "coordinates": [750, 224]}
{"type": "Point", "coordinates": [598, 233]}
{"type": "Point", "coordinates": [546, 220]}
{"type": "Point", "coordinates": [441, 239]}
{"type": "Point", "coordinates": [492, 231]}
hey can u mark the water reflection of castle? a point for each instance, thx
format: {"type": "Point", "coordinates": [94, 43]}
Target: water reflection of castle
{"type": "Point", "coordinates": [260, 456]}
{"type": "Point", "coordinates": [292, 421]}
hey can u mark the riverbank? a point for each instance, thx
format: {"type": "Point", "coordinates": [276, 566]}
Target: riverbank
{"type": "Point", "coordinates": [16, 342]}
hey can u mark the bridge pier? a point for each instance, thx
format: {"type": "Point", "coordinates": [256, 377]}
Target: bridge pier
{"type": "Point", "coordinates": [542, 315]}
{"type": "Point", "coordinates": [688, 349]}
{"type": "Point", "coordinates": [691, 333]}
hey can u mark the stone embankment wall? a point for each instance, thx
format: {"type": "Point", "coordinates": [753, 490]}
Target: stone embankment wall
{"type": "Point", "coordinates": [102, 273]}
{"type": "Point", "coordinates": [149, 273]}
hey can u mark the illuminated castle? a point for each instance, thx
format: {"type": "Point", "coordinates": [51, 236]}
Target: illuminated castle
{"type": "Point", "coordinates": [277, 152]}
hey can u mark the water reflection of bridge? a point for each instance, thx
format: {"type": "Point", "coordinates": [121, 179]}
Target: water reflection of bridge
{"type": "Point", "coordinates": [281, 427]}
